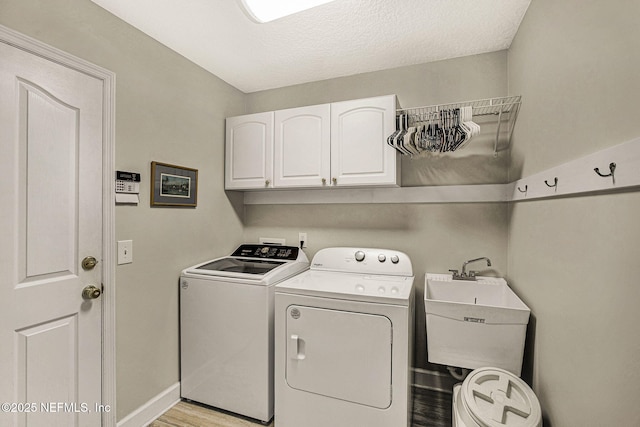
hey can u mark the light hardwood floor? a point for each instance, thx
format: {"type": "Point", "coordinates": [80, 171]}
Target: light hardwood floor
{"type": "Point", "coordinates": [430, 409]}
{"type": "Point", "coordinates": [187, 414]}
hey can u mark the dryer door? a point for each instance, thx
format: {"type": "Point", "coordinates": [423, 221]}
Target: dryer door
{"type": "Point", "coordinates": [340, 354]}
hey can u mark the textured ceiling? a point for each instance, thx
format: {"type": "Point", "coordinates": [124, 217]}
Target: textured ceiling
{"type": "Point", "coordinates": [341, 38]}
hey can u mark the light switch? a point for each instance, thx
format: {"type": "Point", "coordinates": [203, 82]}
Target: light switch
{"type": "Point", "coordinates": [125, 251]}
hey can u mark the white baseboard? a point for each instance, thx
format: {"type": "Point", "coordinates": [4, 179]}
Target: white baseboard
{"type": "Point", "coordinates": [151, 410]}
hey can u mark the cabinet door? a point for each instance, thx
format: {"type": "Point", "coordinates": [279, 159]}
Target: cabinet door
{"type": "Point", "coordinates": [249, 151]}
{"type": "Point", "coordinates": [359, 152]}
{"type": "Point", "coordinates": [302, 146]}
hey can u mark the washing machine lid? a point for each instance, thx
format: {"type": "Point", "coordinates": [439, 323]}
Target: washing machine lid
{"type": "Point", "coordinates": [494, 397]}
{"type": "Point", "coordinates": [239, 265]}
{"type": "Point", "coordinates": [254, 263]}
{"type": "Point", "coordinates": [380, 289]}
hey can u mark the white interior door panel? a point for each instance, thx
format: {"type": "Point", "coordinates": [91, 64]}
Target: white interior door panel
{"type": "Point", "coordinates": [51, 218]}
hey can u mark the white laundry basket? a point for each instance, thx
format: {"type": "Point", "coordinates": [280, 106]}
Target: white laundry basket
{"type": "Point", "coordinates": [493, 397]}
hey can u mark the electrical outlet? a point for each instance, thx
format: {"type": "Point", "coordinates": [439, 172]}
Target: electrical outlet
{"type": "Point", "coordinates": [125, 251]}
{"type": "Point", "coordinates": [302, 237]}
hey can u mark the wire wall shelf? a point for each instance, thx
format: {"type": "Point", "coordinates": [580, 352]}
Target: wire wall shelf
{"type": "Point", "coordinates": [505, 109]}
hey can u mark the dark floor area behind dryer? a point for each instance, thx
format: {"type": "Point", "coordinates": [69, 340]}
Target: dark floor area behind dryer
{"type": "Point", "coordinates": [431, 408]}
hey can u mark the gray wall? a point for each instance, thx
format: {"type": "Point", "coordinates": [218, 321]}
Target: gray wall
{"type": "Point", "coordinates": [573, 260]}
{"type": "Point", "coordinates": [167, 110]}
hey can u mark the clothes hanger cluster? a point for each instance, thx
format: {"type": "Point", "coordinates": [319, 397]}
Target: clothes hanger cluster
{"type": "Point", "coordinates": [439, 131]}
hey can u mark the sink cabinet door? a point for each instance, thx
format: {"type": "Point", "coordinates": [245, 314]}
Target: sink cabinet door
{"type": "Point", "coordinates": [359, 152]}
{"type": "Point", "coordinates": [249, 151]}
{"type": "Point", "coordinates": [302, 147]}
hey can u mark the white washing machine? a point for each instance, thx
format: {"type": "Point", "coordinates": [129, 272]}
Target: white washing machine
{"type": "Point", "coordinates": [226, 327]}
{"type": "Point", "coordinates": [344, 341]}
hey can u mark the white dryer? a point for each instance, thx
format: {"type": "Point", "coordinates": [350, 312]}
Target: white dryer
{"type": "Point", "coordinates": [226, 327]}
{"type": "Point", "coordinates": [344, 341]}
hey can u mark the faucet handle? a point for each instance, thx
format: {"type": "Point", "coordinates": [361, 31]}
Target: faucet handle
{"type": "Point", "coordinates": [454, 273]}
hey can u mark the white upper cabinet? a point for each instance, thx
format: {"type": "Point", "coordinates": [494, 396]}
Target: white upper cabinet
{"type": "Point", "coordinates": [249, 151]}
{"type": "Point", "coordinates": [328, 145]}
{"type": "Point", "coordinates": [302, 147]}
{"type": "Point", "coordinates": [359, 152]}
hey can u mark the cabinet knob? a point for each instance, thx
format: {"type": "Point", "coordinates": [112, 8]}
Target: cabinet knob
{"type": "Point", "coordinates": [266, 183]}
{"type": "Point", "coordinates": [334, 180]}
{"type": "Point", "coordinates": [324, 181]}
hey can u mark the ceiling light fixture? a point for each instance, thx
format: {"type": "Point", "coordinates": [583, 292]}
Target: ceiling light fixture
{"type": "Point", "coordinates": [268, 10]}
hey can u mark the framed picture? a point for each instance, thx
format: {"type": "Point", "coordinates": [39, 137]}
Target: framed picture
{"type": "Point", "coordinates": [173, 185]}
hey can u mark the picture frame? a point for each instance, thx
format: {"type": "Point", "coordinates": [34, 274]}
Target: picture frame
{"type": "Point", "coordinates": [173, 185]}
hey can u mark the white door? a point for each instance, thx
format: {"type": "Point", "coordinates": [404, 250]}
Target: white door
{"type": "Point", "coordinates": [249, 151]}
{"type": "Point", "coordinates": [50, 220]}
{"type": "Point", "coordinates": [339, 354]}
{"type": "Point", "coordinates": [360, 154]}
{"type": "Point", "coordinates": [302, 155]}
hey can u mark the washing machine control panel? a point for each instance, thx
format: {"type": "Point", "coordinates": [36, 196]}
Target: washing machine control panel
{"type": "Point", "coordinates": [287, 253]}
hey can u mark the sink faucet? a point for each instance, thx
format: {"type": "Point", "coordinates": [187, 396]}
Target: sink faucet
{"type": "Point", "coordinates": [472, 274]}
{"type": "Point", "coordinates": [464, 264]}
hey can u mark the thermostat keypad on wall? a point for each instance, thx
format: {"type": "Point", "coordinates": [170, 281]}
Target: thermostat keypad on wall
{"type": "Point", "coordinates": [127, 187]}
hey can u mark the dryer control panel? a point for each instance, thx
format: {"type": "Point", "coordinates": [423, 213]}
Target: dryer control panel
{"type": "Point", "coordinates": [363, 260]}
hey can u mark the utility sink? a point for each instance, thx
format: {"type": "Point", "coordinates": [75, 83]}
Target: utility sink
{"type": "Point", "coordinates": [474, 323]}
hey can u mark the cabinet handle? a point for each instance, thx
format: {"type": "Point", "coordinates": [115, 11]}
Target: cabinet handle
{"type": "Point", "coordinates": [335, 181]}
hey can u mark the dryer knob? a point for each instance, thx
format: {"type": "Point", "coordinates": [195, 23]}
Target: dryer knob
{"type": "Point", "coordinates": [359, 256]}
{"type": "Point", "coordinates": [395, 259]}
{"type": "Point", "coordinates": [382, 258]}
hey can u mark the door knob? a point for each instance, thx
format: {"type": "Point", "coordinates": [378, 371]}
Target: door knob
{"type": "Point", "coordinates": [91, 292]}
{"type": "Point", "coordinates": [88, 263]}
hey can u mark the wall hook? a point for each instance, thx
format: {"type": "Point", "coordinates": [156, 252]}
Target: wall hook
{"type": "Point", "coordinates": [555, 182]}
{"type": "Point", "coordinates": [612, 169]}
{"type": "Point", "coordinates": [526, 187]}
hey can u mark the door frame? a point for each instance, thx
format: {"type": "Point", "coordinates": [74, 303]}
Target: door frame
{"type": "Point", "coordinates": [33, 46]}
